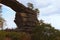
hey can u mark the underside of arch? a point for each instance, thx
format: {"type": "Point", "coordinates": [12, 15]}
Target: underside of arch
{"type": "Point", "coordinates": [16, 6]}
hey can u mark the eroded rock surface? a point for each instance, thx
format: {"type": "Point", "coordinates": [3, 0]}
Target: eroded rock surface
{"type": "Point", "coordinates": [25, 18]}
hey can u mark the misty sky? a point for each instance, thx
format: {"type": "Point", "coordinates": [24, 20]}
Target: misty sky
{"type": "Point", "coordinates": [49, 12]}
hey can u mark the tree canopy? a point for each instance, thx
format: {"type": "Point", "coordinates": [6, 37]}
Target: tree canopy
{"type": "Point", "coordinates": [45, 32]}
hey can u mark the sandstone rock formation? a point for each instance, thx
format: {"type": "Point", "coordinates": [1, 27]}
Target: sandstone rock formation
{"type": "Point", "coordinates": [26, 18]}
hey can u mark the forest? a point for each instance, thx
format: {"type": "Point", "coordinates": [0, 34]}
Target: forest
{"type": "Point", "coordinates": [44, 31]}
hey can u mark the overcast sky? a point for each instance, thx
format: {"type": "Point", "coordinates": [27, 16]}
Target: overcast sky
{"type": "Point", "coordinates": [49, 12]}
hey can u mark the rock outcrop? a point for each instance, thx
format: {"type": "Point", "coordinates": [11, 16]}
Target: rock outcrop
{"type": "Point", "coordinates": [26, 18]}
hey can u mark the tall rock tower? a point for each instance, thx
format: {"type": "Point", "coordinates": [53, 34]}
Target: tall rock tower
{"type": "Point", "coordinates": [26, 20]}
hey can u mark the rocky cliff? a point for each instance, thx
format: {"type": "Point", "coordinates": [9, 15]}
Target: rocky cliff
{"type": "Point", "coordinates": [25, 18]}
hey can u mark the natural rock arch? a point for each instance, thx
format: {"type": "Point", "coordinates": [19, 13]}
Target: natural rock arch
{"type": "Point", "coordinates": [25, 18]}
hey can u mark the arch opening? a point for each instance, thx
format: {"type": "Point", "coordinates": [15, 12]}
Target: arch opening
{"type": "Point", "coordinates": [13, 4]}
{"type": "Point", "coordinates": [9, 15]}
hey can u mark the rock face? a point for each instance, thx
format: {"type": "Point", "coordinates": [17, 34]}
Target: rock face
{"type": "Point", "coordinates": [25, 18]}
{"type": "Point", "coordinates": [25, 21]}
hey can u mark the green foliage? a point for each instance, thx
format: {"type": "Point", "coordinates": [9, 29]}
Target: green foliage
{"type": "Point", "coordinates": [30, 5]}
{"type": "Point", "coordinates": [45, 31]}
{"type": "Point", "coordinates": [12, 35]}
{"type": "Point", "coordinates": [37, 10]}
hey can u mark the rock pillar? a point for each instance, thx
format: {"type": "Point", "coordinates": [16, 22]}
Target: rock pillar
{"type": "Point", "coordinates": [25, 21]}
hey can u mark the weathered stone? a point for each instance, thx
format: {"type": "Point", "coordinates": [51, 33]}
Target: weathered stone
{"type": "Point", "coordinates": [0, 0]}
{"type": "Point", "coordinates": [25, 18]}
{"type": "Point", "coordinates": [26, 21]}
